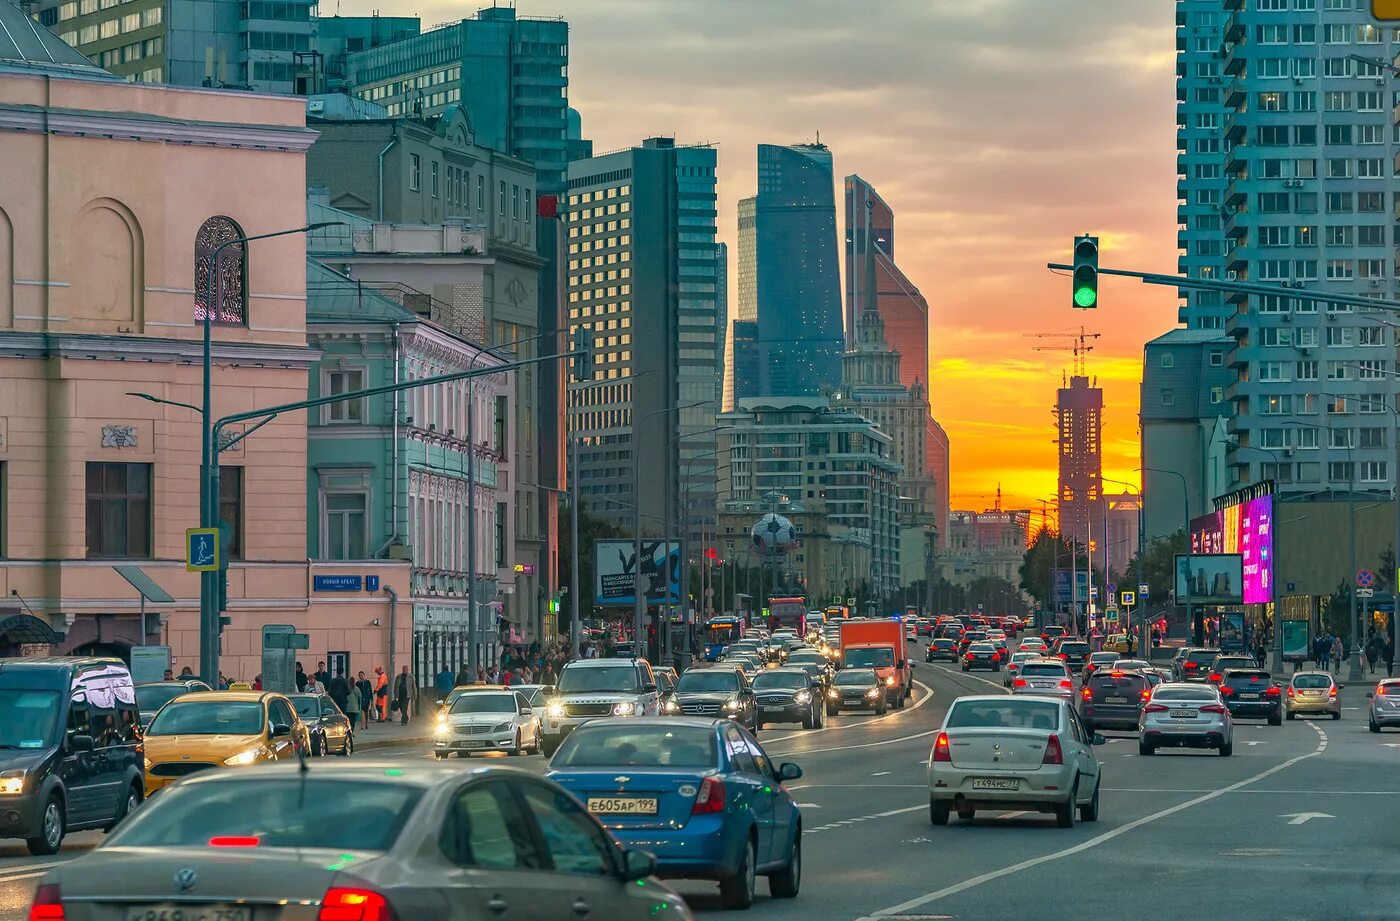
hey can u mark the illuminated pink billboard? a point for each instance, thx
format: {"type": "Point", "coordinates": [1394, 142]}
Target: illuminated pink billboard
{"type": "Point", "coordinates": [1246, 528]}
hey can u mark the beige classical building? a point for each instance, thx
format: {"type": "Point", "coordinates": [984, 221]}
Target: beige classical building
{"type": "Point", "coordinates": [112, 197]}
{"type": "Point", "coordinates": [830, 561]}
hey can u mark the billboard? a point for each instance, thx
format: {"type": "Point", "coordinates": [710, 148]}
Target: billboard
{"type": "Point", "coordinates": [1245, 528]}
{"type": "Point", "coordinates": [1209, 578]}
{"type": "Point", "coordinates": [1061, 587]}
{"type": "Point", "coordinates": [615, 572]}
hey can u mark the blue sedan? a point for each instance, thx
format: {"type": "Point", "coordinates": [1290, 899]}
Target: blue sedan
{"type": "Point", "coordinates": [701, 795]}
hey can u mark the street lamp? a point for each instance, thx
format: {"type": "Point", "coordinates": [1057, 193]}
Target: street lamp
{"type": "Point", "coordinates": [209, 503]}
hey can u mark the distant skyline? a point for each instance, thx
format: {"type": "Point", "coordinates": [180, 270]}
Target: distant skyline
{"type": "Point", "coordinates": [996, 130]}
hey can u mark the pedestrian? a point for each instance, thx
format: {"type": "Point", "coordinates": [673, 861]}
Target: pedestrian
{"type": "Point", "coordinates": [1337, 653]}
{"type": "Point", "coordinates": [1388, 653]}
{"type": "Point", "coordinates": [340, 690]}
{"type": "Point", "coordinates": [186, 672]}
{"type": "Point", "coordinates": [403, 691]}
{"type": "Point", "coordinates": [366, 692]}
{"type": "Point", "coordinates": [507, 677]}
{"type": "Point", "coordinates": [301, 679]}
{"type": "Point", "coordinates": [1365, 650]}
{"type": "Point", "coordinates": [312, 686]}
{"type": "Point", "coordinates": [1322, 651]}
{"type": "Point", "coordinates": [480, 674]}
{"type": "Point", "coordinates": [381, 694]}
{"type": "Point", "coordinates": [257, 683]}
{"type": "Point", "coordinates": [352, 702]}
{"type": "Point", "coordinates": [1373, 652]}
{"type": "Point", "coordinates": [169, 675]}
{"type": "Point", "coordinates": [463, 677]}
{"type": "Point", "coordinates": [322, 676]}
{"type": "Point", "coordinates": [444, 682]}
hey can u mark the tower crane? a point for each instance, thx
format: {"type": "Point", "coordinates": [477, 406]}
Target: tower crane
{"type": "Point", "coordinates": [1078, 343]}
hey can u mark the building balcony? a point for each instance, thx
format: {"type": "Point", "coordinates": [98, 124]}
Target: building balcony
{"type": "Point", "coordinates": [1236, 161]}
{"type": "Point", "coordinates": [1234, 65]}
{"type": "Point", "coordinates": [1234, 31]}
{"type": "Point", "coordinates": [1236, 197]}
{"type": "Point", "coordinates": [1235, 132]}
{"type": "Point", "coordinates": [1237, 93]}
{"type": "Point", "coordinates": [1231, 6]}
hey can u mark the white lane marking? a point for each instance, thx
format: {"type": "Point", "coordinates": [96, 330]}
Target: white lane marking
{"type": "Point", "coordinates": [910, 905]}
{"type": "Point", "coordinates": [28, 874]}
{"type": "Point", "coordinates": [808, 806]}
{"type": "Point", "coordinates": [928, 695]}
{"type": "Point", "coordinates": [1012, 815]}
{"type": "Point", "coordinates": [1301, 818]}
{"type": "Point", "coordinates": [1318, 792]}
{"type": "Point", "coordinates": [846, 822]}
{"type": "Point", "coordinates": [1253, 742]}
{"type": "Point", "coordinates": [880, 774]}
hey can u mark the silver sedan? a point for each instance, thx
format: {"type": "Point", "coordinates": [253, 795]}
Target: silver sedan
{"type": "Point", "coordinates": [1384, 708]}
{"type": "Point", "coordinates": [1185, 715]}
{"type": "Point", "coordinates": [1046, 677]}
{"type": "Point", "coordinates": [1014, 753]}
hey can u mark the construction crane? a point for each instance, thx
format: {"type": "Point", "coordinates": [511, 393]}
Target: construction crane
{"type": "Point", "coordinates": [1078, 343]}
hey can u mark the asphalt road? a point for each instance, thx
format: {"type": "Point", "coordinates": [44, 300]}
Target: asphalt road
{"type": "Point", "coordinates": [1182, 835]}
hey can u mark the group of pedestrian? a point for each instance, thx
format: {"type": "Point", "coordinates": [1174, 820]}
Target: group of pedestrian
{"type": "Point", "coordinates": [368, 697]}
{"type": "Point", "coordinates": [1378, 649]}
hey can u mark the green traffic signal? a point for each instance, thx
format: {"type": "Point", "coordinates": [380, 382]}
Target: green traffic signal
{"type": "Point", "coordinates": [1086, 272]}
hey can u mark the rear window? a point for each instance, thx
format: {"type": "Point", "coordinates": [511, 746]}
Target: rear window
{"type": "Point", "coordinates": [1132, 682]}
{"type": "Point", "coordinates": [1234, 662]}
{"type": "Point", "coordinates": [1016, 713]}
{"type": "Point", "coordinates": [1205, 655]}
{"type": "Point", "coordinates": [613, 743]}
{"type": "Point", "coordinates": [1204, 695]}
{"type": "Point", "coordinates": [305, 811]}
{"type": "Point", "coordinates": [1312, 681]}
{"type": "Point", "coordinates": [1077, 648]}
{"type": "Point", "coordinates": [1250, 676]}
{"type": "Point", "coordinates": [1038, 669]}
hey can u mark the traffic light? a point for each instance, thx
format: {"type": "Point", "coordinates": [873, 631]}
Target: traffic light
{"type": "Point", "coordinates": [1386, 9]}
{"type": "Point", "coordinates": [581, 365]}
{"type": "Point", "coordinates": [1086, 272]}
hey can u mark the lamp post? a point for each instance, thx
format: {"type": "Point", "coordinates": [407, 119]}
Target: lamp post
{"type": "Point", "coordinates": [209, 582]}
{"type": "Point", "coordinates": [639, 601]}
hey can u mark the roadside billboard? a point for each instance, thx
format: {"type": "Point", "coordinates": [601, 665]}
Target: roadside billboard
{"type": "Point", "coordinates": [1245, 528]}
{"type": "Point", "coordinates": [1209, 578]}
{"type": "Point", "coordinates": [616, 572]}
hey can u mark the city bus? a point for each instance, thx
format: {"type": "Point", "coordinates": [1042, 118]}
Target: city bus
{"type": "Point", "coordinates": [719, 633]}
{"type": "Point", "coordinates": [836, 612]}
{"type": "Point", "coordinates": [790, 612]}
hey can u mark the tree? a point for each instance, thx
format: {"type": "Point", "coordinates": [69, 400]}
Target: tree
{"type": "Point", "coordinates": [590, 529]}
{"type": "Point", "coordinates": [1158, 566]}
{"type": "Point", "coordinates": [1336, 613]}
{"type": "Point", "coordinates": [1039, 561]}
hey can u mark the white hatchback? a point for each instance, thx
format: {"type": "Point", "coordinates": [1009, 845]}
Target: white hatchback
{"type": "Point", "coordinates": [1014, 753]}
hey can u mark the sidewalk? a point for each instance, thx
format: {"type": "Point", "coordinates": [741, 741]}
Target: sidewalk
{"type": "Point", "coordinates": [385, 735]}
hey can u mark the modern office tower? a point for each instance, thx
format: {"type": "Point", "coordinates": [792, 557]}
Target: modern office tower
{"type": "Point", "coordinates": [741, 371]}
{"type": "Point", "coordinates": [642, 276]}
{"type": "Point", "coordinates": [721, 316]}
{"type": "Point", "coordinates": [808, 451]}
{"type": "Point", "coordinates": [796, 288]}
{"type": "Point", "coordinates": [742, 368]}
{"type": "Point", "coordinates": [334, 38]}
{"type": "Point", "coordinates": [1079, 411]}
{"type": "Point", "coordinates": [245, 44]}
{"type": "Point", "coordinates": [1307, 153]}
{"type": "Point", "coordinates": [512, 73]}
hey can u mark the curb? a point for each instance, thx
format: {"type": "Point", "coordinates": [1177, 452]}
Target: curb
{"type": "Point", "coordinates": [372, 744]}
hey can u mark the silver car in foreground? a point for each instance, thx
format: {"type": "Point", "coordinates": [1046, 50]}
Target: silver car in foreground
{"type": "Point", "coordinates": [1014, 753]}
{"type": "Point", "coordinates": [1384, 706]}
{"type": "Point", "coordinates": [1185, 715]}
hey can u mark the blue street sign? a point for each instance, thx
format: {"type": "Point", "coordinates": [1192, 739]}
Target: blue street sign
{"type": "Point", "coordinates": [1142, 590]}
{"type": "Point", "coordinates": [371, 583]}
{"type": "Point", "coordinates": [202, 549]}
{"type": "Point", "coordinates": [337, 583]}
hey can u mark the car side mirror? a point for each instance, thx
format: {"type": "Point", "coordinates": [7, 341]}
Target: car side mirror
{"type": "Point", "coordinates": [1098, 739]}
{"type": "Point", "coordinates": [648, 689]}
{"type": "Point", "coordinates": [527, 711]}
{"type": "Point", "coordinates": [281, 729]}
{"type": "Point", "coordinates": [636, 865]}
{"type": "Point", "coordinates": [789, 771]}
{"type": "Point", "coordinates": [1369, 695]}
{"type": "Point", "coordinates": [1341, 687]}
{"type": "Point", "coordinates": [913, 665]}
{"type": "Point", "coordinates": [80, 743]}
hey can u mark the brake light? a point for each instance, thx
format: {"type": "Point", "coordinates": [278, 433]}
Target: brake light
{"type": "Point", "coordinates": [1086, 693]}
{"type": "Point", "coordinates": [1066, 683]}
{"type": "Point", "coordinates": [1019, 683]}
{"type": "Point", "coordinates": [1380, 691]}
{"type": "Point", "coordinates": [1213, 708]}
{"type": "Point", "coordinates": [234, 841]}
{"type": "Point", "coordinates": [343, 903]}
{"type": "Point", "coordinates": [1146, 694]}
{"type": "Point", "coordinates": [1064, 657]}
{"type": "Point", "coordinates": [1290, 692]}
{"type": "Point", "coordinates": [1254, 679]}
{"type": "Point", "coordinates": [968, 657]}
{"type": "Point", "coordinates": [940, 749]}
{"type": "Point", "coordinates": [1226, 691]}
{"type": "Point", "coordinates": [710, 799]}
{"type": "Point", "coordinates": [1154, 708]}
{"type": "Point", "coordinates": [1271, 692]}
{"type": "Point", "coordinates": [1115, 674]}
{"type": "Point", "coordinates": [1053, 754]}
{"type": "Point", "coordinates": [1333, 691]}
{"type": "Point", "coordinates": [47, 905]}
{"type": "Point", "coordinates": [1190, 666]}
{"type": "Point", "coordinates": [1215, 678]}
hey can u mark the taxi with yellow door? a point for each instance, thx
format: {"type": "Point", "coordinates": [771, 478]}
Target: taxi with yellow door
{"type": "Point", "coordinates": [221, 729]}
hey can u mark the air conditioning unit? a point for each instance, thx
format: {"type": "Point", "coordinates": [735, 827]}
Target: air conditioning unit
{"type": "Point", "coordinates": [1287, 452]}
{"type": "Point", "coordinates": [1288, 318]}
{"type": "Point", "coordinates": [1297, 81]}
{"type": "Point", "coordinates": [1375, 283]}
{"type": "Point", "coordinates": [1304, 350]}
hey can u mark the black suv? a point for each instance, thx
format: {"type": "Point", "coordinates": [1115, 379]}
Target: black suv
{"type": "Point", "coordinates": [789, 695]}
{"type": "Point", "coordinates": [1252, 693]}
{"type": "Point", "coordinates": [70, 740]}
{"type": "Point", "coordinates": [1112, 699]}
{"type": "Point", "coordinates": [719, 692]}
{"type": "Point", "coordinates": [942, 648]}
{"type": "Point", "coordinates": [1074, 653]}
{"type": "Point", "coordinates": [1195, 665]}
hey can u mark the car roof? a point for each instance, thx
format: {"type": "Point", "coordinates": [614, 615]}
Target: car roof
{"type": "Point", "coordinates": [1205, 689]}
{"type": "Point", "coordinates": [1001, 698]}
{"type": "Point", "coordinates": [1313, 671]}
{"type": "Point", "coordinates": [599, 663]}
{"type": "Point", "coordinates": [417, 773]}
{"type": "Point", "coordinates": [172, 683]}
{"type": "Point", "coordinates": [213, 697]}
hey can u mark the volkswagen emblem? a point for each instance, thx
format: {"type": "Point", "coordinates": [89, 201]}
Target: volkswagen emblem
{"type": "Point", "coordinates": [186, 879]}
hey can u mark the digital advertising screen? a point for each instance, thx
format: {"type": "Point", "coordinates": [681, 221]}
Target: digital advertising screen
{"type": "Point", "coordinates": [1246, 528]}
{"type": "Point", "coordinates": [1209, 578]}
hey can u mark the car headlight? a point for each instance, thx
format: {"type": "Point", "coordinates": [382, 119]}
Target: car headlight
{"type": "Point", "coordinates": [555, 710]}
{"type": "Point", "coordinates": [889, 682]}
{"type": "Point", "coordinates": [672, 707]}
{"type": "Point", "coordinates": [442, 729]}
{"type": "Point", "coordinates": [11, 783]}
{"type": "Point", "coordinates": [802, 697]}
{"type": "Point", "coordinates": [247, 756]}
{"type": "Point", "coordinates": [624, 708]}
{"type": "Point", "coordinates": [873, 692]}
{"type": "Point", "coordinates": [832, 694]}
{"type": "Point", "coordinates": [732, 703]}
{"type": "Point", "coordinates": [501, 727]}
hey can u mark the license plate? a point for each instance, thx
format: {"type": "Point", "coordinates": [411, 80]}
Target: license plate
{"type": "Point", "coordinates": [188, 913]}
{"type": "Point", "coordinates": [622, 805]}
{"type": "Point", "coordinates": [1182, 714]}
{"type": "Point", "coordinates": [1249, 697]}
{"type": "Point", "coordinates": [475, 743]}
{"type": "Point", "coordinates": [995, 783]}
{"type": "Point", "coordinates": [1116, 700]}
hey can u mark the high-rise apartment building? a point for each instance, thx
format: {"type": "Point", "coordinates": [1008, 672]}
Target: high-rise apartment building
{"type": "Point", "coordinates": [1079, 415]}
{"type": "Point", "coordinates": [643, 277]}
{"type": "Point", "coordinates": [1286, 110]}
{"type": "Point", "coordinates": [261, 45]}
{"type": "Point", "coordinates": [795, 287]}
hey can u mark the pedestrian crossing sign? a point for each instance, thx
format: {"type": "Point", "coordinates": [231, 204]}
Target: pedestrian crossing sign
{"type": "Point", "coordinates": [202, 550]}
{"type": "Point", "coordinates": [1129, 599]}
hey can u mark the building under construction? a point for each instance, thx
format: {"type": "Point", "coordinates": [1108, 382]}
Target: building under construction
{"type": "Point", "coordinates": [1079, 415]}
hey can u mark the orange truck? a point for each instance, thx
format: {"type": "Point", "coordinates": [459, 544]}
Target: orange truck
{"type": "Point", "coordinates": [879, 644]}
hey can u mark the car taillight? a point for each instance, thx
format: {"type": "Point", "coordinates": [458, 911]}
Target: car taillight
{"type": "Point", "coordinates": [1271, 692]}
{"type": "Point", "coordinates": [1290, 692]}
{"type": "Point", "coordinates": [1053, 754]}
{"type": "Point", "coordinates": [1215, 677]}
{"type": "Point", "coordinates": [1332, 692]}
{"type": "Point", "coordinates": [1064, 657]}
{"type": "Point", "coordinates": [1213, 708]}
{"type": "Point", "coordinates": [1190, 666]}
{"type": "Point", "coordinates": [1086, 693]}
{"type": "Point", "coordinates": [1019, 683]}
{"type": "Point", "coordinates": [1066, 682]}
{"type": "Point", "coordinates": [1146, 694]}
{"type": "Point", "coordinates": [344, 903]}
{"type": "Point", "coordinates": [1380, 691]}
{"type": "Point", "coordinates": [1226, 691]}
{"type": "Point", "coordinates": [940, 749]}
{"type": "Point", "coordinates": [234, 841]}
{"type": "Point", "coordinates": [48, 904]}
{"type": "Point", "coordinates": [1154, 708]}
{"type": "Point", "coordinates": [1115, 674]}
{"type": "Point", "coordinates": [710, 798]}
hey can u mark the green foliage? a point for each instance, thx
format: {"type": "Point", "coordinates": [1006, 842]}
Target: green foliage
{"type": "Point", "coordinates": [1336, 613]}
{"type": "Point", "coordinates": [590, 529]}
{"type": "Point", "coordinates": [1158, 567]}
{"type": "Point", "coordinates": [1039, 561]}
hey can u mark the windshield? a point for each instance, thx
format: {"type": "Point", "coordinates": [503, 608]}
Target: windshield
{"type": "Point", "coordinates": [1104, 657]}
{"type": "Point", "coordinates": [307, 706]}
{"type": "Point", "coordinates": [881, 657]}
{"type": "Point", "coordinates": [29, 718]}
{"type": "Point", "coordinates": [1019, 713]}
{"type": "Point", "coordinates": [209, 718]}
{"type": "Point", "coordinates": [151, 698]}
{"type": "Point", "coordinates": [599, 678]}
{"type": "Point", "coordinates": [708, 680]}
{"type": "Point", "coordinates": [609, 743]}
{"type": "Point", "coordinates": [1252, 677]}
{"type": "Point", "coordinates": [787, 680]}
{"type": "Point", "coordinates": [484, 703]}
{"type": "Point", "coordinates": [856, 678]}
{"type": "Point", "coordinates": [1312, 681]}
{"type": "Point", "coordinates": [310, 812]}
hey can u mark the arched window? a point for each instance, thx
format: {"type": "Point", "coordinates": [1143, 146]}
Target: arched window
{"type": "Point", "coordinates": [230, 291]}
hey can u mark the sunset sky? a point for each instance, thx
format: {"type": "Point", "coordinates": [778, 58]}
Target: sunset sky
{"type": "Point", "coordinates": [996, 129]}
